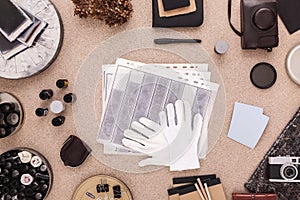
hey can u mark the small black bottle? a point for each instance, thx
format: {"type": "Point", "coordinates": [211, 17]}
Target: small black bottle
{"type": "Point", "coordinates": [62, 83]}
{"type": "Point", "coordinates": [12, 118]}
{"type": "Point", "coordinates": [46, 94]}
{"type": "Point", "coordinates": [58, 121]}
{"type": "Point", "coordinates": [69, 98]}
{"type": "Point", "coordinates": [2, 131]}
{"type": "Point", "coordinates": [5, 107]}
{"type": "Point", "coordinates": [40, 112]}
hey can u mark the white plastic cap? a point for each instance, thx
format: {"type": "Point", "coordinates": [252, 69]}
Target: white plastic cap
{"type": "Point", "coordinates": [57, 107]}
{"type": "Point", "coordinates": [221, 47]}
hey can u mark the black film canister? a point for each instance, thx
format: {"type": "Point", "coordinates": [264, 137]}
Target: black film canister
{"type": "Point", "coordinates": [46, 94]}
{"type": "Point", "coordinates": [58, 121]}
{"type": "Point", "coordinates": [62, 83]}
{"type": "Point", "coordinates": [41, 112]}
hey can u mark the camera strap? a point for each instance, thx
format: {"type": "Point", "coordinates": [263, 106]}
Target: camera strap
{"type": "Point", "coordinates": [229, 19]}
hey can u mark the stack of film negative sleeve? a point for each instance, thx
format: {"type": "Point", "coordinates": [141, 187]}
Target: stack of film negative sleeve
{"type": "Point", "coordinates": [19, 29]}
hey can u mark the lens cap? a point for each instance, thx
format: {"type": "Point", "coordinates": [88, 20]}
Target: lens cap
{"type": "Point", "coordinates": [263, 75]}
{"type": "Point", "coordinates": [264, 18]}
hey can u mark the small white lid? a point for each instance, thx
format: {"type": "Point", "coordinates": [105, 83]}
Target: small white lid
{"type": "Point", "coordinates": [26, 179]}
{"type": "Point", "coordinates": [36, 161]}
{"type": "Point", "coordinates": [25, 156]}
{"type": "Point", "coordinates": [293, 64]}
{"type": "Point", "coordinates": [57, 107]}
{"type": "Point", "coordinates": [221, 47]}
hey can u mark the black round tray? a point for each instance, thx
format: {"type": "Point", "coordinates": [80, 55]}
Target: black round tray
{"type": "Point", "coordinates": [9, 185]}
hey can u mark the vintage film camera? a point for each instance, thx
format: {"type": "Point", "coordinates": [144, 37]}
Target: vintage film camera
{"type": "Point", "coordinates": [259, 24]}
{"type": "Point", "coordinates": [284, 169]}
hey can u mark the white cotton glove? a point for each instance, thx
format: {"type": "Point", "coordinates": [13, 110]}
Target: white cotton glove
{"type": "Point", "coordinates": [203, 143]}
{"type": "Point", "coordinates": [181, 143]}
{"type": "Point", "coordinates": [190, 160]}
{"type": "Point", "coordinates": [149, 137]}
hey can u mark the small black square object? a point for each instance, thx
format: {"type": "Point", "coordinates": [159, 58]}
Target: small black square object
{"type": "Point", "coordinates": [187, 20]}
{"type": "Point", "coordinates": [106, 187]}
{"type": "Point", "coordinates": [99, 188]}
{"type": "Point", "coordinates": [289, 14]}
{"type": "Point", "coordinates": [173, 4]}
{"type": "Point", "coordinates": [117, 188]}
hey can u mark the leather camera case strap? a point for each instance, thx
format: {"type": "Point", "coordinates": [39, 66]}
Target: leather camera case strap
{"type": "Point", "coordinates": [249, 196]}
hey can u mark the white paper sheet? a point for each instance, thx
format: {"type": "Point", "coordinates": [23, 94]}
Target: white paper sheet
{"type": "Point", "coordinates": [247, 124]}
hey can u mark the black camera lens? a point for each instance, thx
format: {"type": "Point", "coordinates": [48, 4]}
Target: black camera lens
{"type": "Point", "coordinates": [264, 18]}
{"type": "Point", "coordinates": [289, 172]}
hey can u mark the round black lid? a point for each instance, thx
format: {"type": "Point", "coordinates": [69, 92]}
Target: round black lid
{"type": "Point", "coordinates": [263, 75]}
{"type": "Point", "coordinates": [68, 98]}
{"type": "Point", "coordinates": [264, 18]}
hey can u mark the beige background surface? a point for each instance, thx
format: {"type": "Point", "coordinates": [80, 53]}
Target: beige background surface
{"type": "Point", "coordinates": [232, 162]}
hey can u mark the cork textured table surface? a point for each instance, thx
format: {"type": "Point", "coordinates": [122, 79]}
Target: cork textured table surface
{"type": "Point", "coordinates": [231, 161]}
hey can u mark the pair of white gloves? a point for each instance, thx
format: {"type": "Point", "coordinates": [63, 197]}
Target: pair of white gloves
{"type": "Point", "coordinates": [173, 142]}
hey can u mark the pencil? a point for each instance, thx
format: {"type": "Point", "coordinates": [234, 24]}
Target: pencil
{"type": "Point", "coordinates": [199, 191]}
{"type": "Point", "coordinates": [202, 188]}
{"type": "Point", "coordinates": [207, 192]}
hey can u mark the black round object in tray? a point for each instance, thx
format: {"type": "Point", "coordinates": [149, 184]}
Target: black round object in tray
{"type": "Point", "coordinates": [24, 175]}
{"type": "Point", "coordinates": [11, 114]}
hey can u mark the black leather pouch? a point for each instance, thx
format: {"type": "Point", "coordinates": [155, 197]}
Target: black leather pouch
{"type": "Point", "coordinates": [74, 152]}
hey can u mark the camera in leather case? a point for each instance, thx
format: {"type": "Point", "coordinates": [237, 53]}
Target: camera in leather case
{"type": "Point", "coordinates": [284, 169]}
{"type": "Point", "coordinates": [259, 24]}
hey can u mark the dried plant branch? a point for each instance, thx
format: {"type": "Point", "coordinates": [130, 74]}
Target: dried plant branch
{"type": "Point", "coordinates": [113, 12]}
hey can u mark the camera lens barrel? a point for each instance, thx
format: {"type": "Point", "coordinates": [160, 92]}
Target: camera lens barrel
{"type": "Point", "coordinates": [288, 171]}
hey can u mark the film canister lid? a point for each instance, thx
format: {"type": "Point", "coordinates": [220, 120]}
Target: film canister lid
{"type": "Point", "coordinates": [221, 47]}
{"type": "Point", "coordinates": [263, 75]}
{"type": "Point", "coordinates": [57, 107]}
